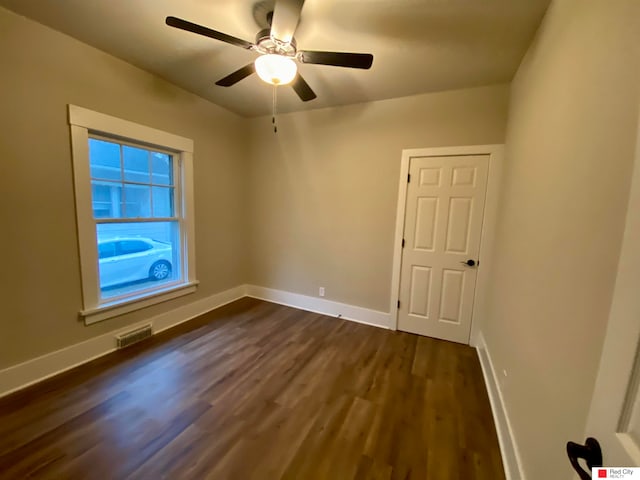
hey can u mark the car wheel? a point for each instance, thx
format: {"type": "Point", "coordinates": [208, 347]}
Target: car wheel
{"type": "Point", "coordinates": [160, 270]}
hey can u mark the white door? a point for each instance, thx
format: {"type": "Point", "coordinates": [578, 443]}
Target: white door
{"type": "Point", "coordinates": [442, 228]}
{"type": "Point", "coordinates": [614, 418]}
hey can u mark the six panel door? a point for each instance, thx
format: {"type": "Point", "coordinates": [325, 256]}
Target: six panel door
{"type": "Point", "coordinates": [442, 230]}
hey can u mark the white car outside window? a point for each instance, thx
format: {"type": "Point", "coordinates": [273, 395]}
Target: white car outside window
{"type": "Point", "coordinates": [124, 260]}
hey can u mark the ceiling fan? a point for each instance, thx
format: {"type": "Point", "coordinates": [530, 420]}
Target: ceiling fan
{"type": "Point", "coordinates": [278, 50]}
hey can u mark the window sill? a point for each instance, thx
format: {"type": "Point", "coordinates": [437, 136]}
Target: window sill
{"type": "Point", "coordinates": [110, 310]}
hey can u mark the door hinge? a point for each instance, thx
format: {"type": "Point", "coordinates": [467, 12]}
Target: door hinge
{"type": "Point", "coordinates": [403, 243]}
{"type": "Point", "coordinates": [408, 178]}
{"type": "Point", "coordinates": [398, 303]}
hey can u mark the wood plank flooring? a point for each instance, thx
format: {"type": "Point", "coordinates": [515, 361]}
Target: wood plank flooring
{"type": "Point", "coordinates": [259, 391]}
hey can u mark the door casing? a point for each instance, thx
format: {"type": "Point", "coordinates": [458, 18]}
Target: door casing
{"type": "Point", "coordinates": [619, 369]}
{"type": "Point", "coordinates": [495, 153]}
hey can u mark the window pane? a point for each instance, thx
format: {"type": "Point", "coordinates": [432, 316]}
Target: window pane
{"type": "Point", "coordinates": [107, 199]}
{"type": "Point", "coordinates": [162, 168]}
{"type": "Point", "coordinates": [106, 249]}
{"type": "Point", "coordinates": [136, 257]}
{"type": "Point", "coordinates": [104, 159]}
{"type": "Point", "coordinates": [163, 202]}
{"type": "Point", "coordinates": [137, 200]}
{"type": "Point", "coordinates": [136, 164]}
{"type": "Point", "coordinates": [129, 247]}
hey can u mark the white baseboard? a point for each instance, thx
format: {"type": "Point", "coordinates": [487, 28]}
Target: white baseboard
{"type": "Point", "coordinates": [508, 446]}
{"type": "Point", "coordinates": [35, 370]}
{"type": "Point", "coordinates": [320, 305]}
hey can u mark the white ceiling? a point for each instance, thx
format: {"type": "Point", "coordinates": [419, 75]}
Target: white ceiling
{"type": "Point", "coordinates": [419, 46]}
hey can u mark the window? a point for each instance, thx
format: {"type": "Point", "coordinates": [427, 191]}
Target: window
{"type": "Point", "coordinates": [134, 206]}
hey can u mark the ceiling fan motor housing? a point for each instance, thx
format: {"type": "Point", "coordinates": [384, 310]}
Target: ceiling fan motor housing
{"type": "Point", "coordinates": [266, 44]}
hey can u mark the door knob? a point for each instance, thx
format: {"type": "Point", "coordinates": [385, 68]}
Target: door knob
{"type": "Point", "coordinates": [589, 452]}
{"type": "Point", "coordinates": [469, 263]}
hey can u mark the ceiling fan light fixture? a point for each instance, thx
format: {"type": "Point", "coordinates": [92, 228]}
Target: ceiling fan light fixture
{"type": "Point", "coordinates": [276, 69]}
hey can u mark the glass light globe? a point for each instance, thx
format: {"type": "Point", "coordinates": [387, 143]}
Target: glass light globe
{"type": "Point", "coordinates": [276, 69]}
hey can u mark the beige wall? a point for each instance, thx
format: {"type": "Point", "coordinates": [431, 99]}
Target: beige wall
{"type": "Point", "coordinates": [324, 188]}
{"type": "Point", "coordinates": [41, 72]}
{"type": "Point", "coordinates": [570, 143]}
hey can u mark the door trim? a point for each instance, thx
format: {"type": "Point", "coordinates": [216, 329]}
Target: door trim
{"type": "Point", "coordinates": [617, 364]}
{"type": "Point", "coordinates": [495, 153]}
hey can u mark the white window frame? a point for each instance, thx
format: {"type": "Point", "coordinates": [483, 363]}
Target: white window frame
{"type": "Point", "coordinates": [83, 123]}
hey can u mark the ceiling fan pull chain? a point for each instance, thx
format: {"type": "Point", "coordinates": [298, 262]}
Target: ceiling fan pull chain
{"type": "Point", "coordinates": [273, 117]}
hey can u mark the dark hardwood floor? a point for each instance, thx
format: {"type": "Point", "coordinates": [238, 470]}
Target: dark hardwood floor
{"type": "Point", "coordinates": [259, 391]}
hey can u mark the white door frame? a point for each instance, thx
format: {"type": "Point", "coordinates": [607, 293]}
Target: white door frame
{"type": "Point", "coordinates": [618, 370]}
{"type": "Point", "coordinates": [496, 153]}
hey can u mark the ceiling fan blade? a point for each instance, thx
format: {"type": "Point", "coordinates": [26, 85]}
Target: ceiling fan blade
{"type": "Point", "coordinates": [286, 16]}
{"type": "Point", "coordinates": [236, 76]}
{"type": "Point", "coordinates": [207, 32]}
{"type": "Point", "coordinates": [303, 89]}
{"type": "Point", "coordinates": [338, 59]}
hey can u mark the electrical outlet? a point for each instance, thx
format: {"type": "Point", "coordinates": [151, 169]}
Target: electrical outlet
{"type": "Point", "coordinates": [321, 291]}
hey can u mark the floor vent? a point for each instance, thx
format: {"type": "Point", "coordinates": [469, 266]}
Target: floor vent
{"type": "Point", "coordinates": [134, 336]}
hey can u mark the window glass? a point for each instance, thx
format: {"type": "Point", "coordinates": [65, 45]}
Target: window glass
{"type": "Point", "coordinates": [137, 200]}
{"type": "Point", "coordinates": [104, 159]}
{"type": "Point", "coordinates": [130, 183]}
{"type": "Point", "coordinates": [162, 202]}
{"type": "Point", "coordinates": [142, 188]}
{"type": "Point", "coordinates": [161, 169]}
{"type": "Point", "coordinates": [106, 250]}
{"type": "Point", "coordinates": [147, 256]}
{"type": "Point", "coordinates": [127, 247]}
{"type": "Point", "coordinates": [107, 199]}
{"type": "Point", "coordinates": [136, 164]}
